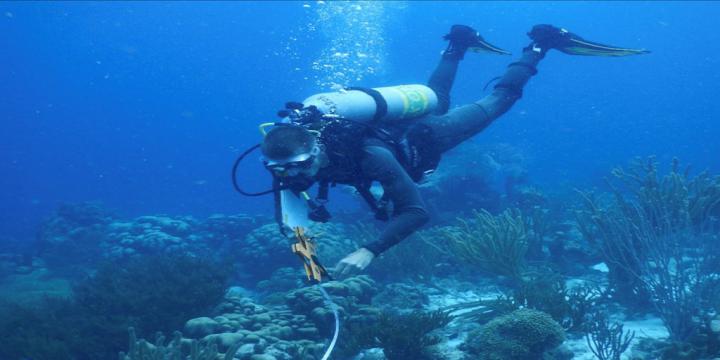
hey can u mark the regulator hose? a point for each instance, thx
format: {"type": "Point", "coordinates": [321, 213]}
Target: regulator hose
{"type": "Point", "coordinates": [334, 309]}
{"type": "Point", "coordinates": [234, 174]}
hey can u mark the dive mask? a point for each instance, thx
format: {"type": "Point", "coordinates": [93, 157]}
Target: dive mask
{"type": "Point", "coordinates": [293, 166]}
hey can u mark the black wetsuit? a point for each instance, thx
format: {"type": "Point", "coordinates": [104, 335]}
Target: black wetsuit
{"type": "Point", "coordinates": [378, 161]}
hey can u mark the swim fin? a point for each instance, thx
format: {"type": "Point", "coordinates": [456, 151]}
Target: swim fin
{"type": "Point", "coordinates": [463, 37]}
{"type": "Point", "coordinates": [547, 37]}
{"type": "Point", "coordinates": [483, 46]}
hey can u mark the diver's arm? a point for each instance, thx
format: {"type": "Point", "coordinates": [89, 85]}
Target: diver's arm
{"type": "Point", "coordinates": [409, 212]}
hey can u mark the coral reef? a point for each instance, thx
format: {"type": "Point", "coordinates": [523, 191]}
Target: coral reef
{"type": "Point", "coordinates": [607, 340]}
{"type": "Point", "coordinates": [82, 235]}
{"type": "Point", "coordinates": [543, 291]}
{"type": "Point", "coordinates": [42, 332]}
{"type": "Point", "coordinates": [662, 240]}
{"type": "Point", "coordinates": [548, 292]}
{"type": "Point", "coordinates": [401, 296]}
{"type": "Point", "coordinates": [282, 280]}
{"type": "Point", "coordinates": [401, 336]}
{"type": "Point", "coordinates": [142, 350]}
{"type": "Point", "coordinates": [496, 244]}
{"type": "Point", "coordinates": [656, 233]}
{"type": "Point", "coordinates": [291, 331]}
{"type": "Point", "coordinates": [19, 264]}
{"type": "Point", "coordinates": [353, 297]}
{"type": "Point", "coordinates": [149, 293]}
{"type": "Point", "coordinates": [407, 337]}
{"type": "Point", "coordinates": [155, 293]}
{"type": "Point", "coordinates": [263, 245]}
{"type": "Point", "coordinates": [524, 334]}
{"type": "Point", "coordinates": [219, 230]}
{"type": "Point", "coordinates": [73, 234]}
{"type": "Point", "coordinates": [266, 245]}
{"type": "Point", "coordinates": [150, 235]}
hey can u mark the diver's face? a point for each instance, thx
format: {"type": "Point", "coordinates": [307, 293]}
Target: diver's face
{"type": "Point", "coordinates": [312, 169]}
{"type": "Point", "coordinates": [307, 167]}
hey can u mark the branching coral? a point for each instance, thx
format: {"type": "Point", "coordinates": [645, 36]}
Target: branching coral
{"type": "Point", "coordinates": [607, 340]}
{"type": "Point", "coordinates": [401, 336]}
{"type": "Point", "coordinates": [537, 220]}
{"type": "Point", "coordinates": [142, 350]}
{"type": "Point", "coordinates": [675, 197]}
{"type": "Point", "coordinates": [496, 244]}
{"type": "Point", "coordinates": [661, 239]}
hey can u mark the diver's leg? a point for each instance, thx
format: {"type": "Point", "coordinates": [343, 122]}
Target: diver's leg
{"type": "Point", "coordinates": [442, 79]}
{"type": "Point", "coordinates": [466, 121]}
{"type": "Point", "coordinates": [461, 38]}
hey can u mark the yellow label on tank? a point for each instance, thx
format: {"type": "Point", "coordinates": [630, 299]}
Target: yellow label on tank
{"type": "Point", "coordinates": [415, 101]}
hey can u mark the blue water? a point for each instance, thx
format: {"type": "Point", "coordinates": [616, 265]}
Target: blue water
{"type": "Point", "coordinates": [144, 106]}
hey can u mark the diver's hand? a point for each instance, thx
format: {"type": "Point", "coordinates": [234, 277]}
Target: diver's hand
{"type": "Point", "coordinates": [354, 263]}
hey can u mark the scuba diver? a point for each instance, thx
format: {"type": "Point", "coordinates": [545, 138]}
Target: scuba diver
{"type": "Point", "coordinates": [394, 136]}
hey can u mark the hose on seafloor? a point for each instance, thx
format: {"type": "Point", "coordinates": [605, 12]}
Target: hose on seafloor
{"type": "Point", "coordinates": [334, 309]}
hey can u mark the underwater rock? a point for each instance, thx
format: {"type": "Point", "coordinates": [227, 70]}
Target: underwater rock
{"type": "Point", "coordinates": [202, 326]}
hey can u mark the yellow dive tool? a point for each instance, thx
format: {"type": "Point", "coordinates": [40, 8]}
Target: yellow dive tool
{"type": "Point", "coordinates": [305, 249]}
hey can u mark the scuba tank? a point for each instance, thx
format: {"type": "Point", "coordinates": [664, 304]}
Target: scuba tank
{"type": "Point", "coordinates": [384, 104]}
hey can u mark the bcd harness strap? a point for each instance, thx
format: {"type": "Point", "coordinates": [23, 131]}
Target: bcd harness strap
{"type": "Point", "coordinates": [381, 105]}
